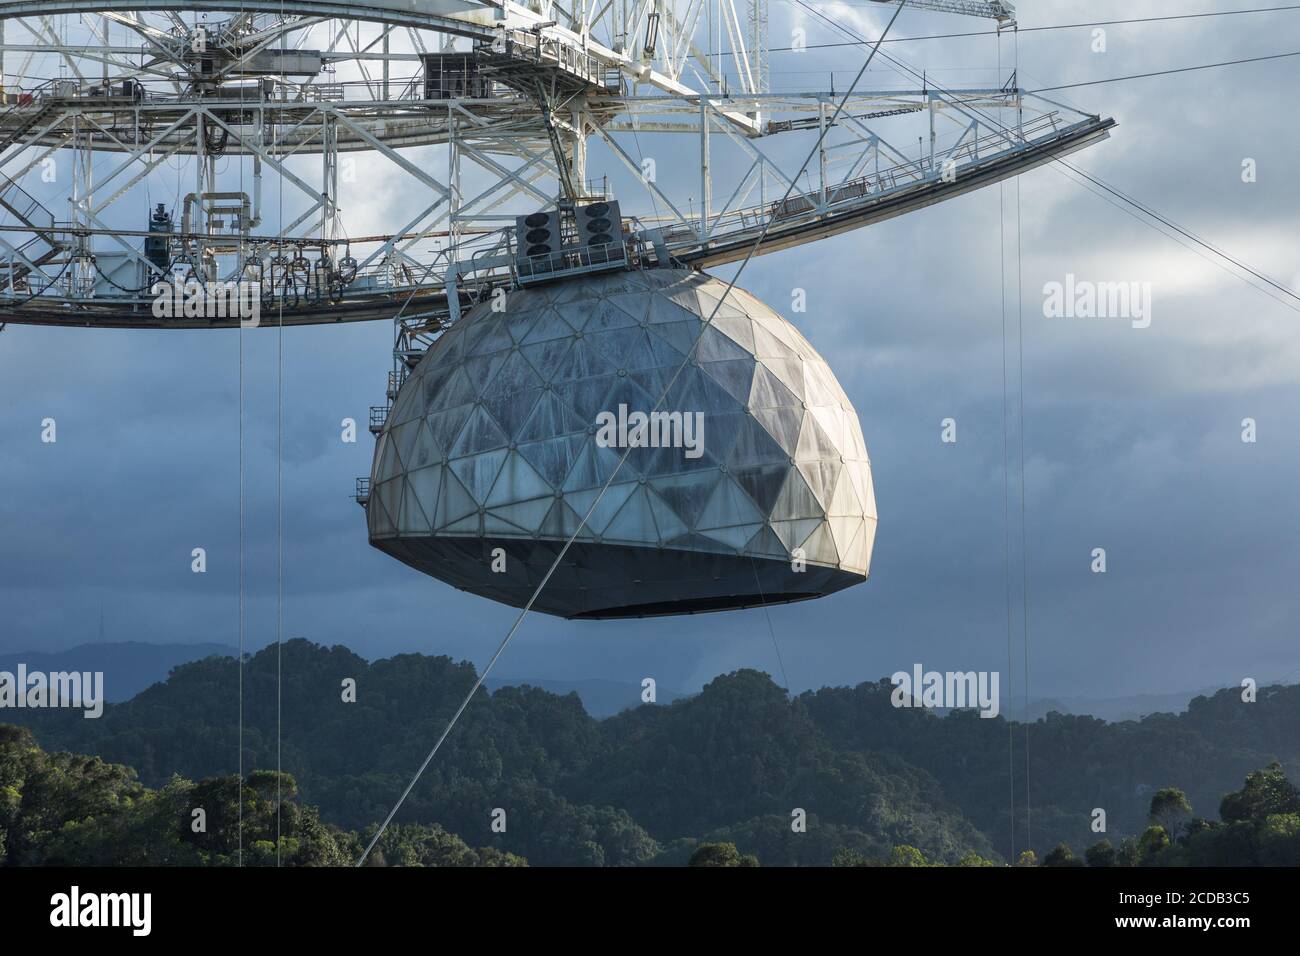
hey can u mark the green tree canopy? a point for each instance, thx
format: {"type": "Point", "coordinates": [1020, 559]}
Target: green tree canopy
{"type": "Point", "coordinates": [721, 854]}
{"type": "Point", "coordinates": [1266, 792]}
{"type": "Point", "coordinates": [1171, 810]}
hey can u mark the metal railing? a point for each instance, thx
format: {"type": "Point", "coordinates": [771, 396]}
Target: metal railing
{"type": "Point", "coordinates": [907, 174]}
{"type": "Point", "coordinates": [526, 45]}
{"type": "Point", "coordinates": [571, 260]}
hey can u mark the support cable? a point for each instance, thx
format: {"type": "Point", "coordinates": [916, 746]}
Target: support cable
{"type": "Point", "coordinates": [1006, 495]}
{"type": "Point", "coordinates": [1183, 69]}
{"type": "Point", "coordinates": [1024, 532]}
{"type": "Point", "coordinates": [279, 503]}
{"type": "Point", "coordinates": [1024, 527]}
{"type": "Point", "coordinates": [242, 539]}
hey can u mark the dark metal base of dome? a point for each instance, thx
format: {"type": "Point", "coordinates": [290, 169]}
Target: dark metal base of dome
{"type": "Point", "coordinates": [605, 581]}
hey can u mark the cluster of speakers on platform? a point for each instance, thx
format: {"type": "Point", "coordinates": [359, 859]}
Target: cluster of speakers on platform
{"type": "Point", "coordinates": [592, 230]}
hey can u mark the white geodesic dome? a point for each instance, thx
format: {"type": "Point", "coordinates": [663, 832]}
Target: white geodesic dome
{"type": "Point", "coordinates": [492, 441]}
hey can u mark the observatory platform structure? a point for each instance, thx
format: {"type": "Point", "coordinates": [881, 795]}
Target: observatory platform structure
{"type": "Point", "coordinates": [521, 101]}
{"type": "Point", "coordinates": [579, 163]}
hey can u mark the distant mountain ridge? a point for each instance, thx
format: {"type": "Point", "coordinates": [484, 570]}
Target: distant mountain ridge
{"type": "Point", "coordinates": [600, 698]}
{"type": "Point", "coordinates": [128, 666]}
{"type": "Point", "coordinates": [1111, 709]}
{"type": "Point", "coordinates": [131, 666]}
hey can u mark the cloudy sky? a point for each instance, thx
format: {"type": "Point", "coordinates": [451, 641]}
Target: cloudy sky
{"type": "Point", "coordinates": [1132, 437]}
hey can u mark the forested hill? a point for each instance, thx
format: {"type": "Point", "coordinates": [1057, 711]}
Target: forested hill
{"type": "Point", "coordinates": [730, 764]}
{"type": "Point", "coordinates": [1076, 763]}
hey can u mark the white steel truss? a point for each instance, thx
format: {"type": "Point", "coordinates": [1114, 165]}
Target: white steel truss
{"type": "Point", "coordinates": [485, 110]}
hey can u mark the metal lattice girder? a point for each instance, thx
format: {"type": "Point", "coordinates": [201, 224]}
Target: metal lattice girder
{"type": "Point", "coordinates": [478, 21]}
{"type": "Point", "coordinates": [127, 86]}
{"type": "Point", "coordinates": [442, 15]}
{"type": "Point", "coordinates": [1001, 10]}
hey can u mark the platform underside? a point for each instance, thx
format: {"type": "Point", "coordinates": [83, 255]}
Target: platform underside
{"type": "Point", "coordinates": [600, 581]}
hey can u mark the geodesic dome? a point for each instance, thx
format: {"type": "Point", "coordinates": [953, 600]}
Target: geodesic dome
{"type": "Point", "coordinates": [492, 443]}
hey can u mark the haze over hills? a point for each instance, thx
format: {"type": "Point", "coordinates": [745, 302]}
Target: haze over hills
{"type": "Point", "coordinates": [128, 666]}
{"type": "Point", "coordinates": [732, 762]}
{"type": "Point", "coordinates": [131, 666]}
{"type": "Point", "coordinates": [1112, 709]}
{"type": "Point", "coordinates": [600, 698]}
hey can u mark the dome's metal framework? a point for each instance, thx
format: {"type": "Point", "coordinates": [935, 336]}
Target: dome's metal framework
{"type": "Point", "coordinates": [490, 452]}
